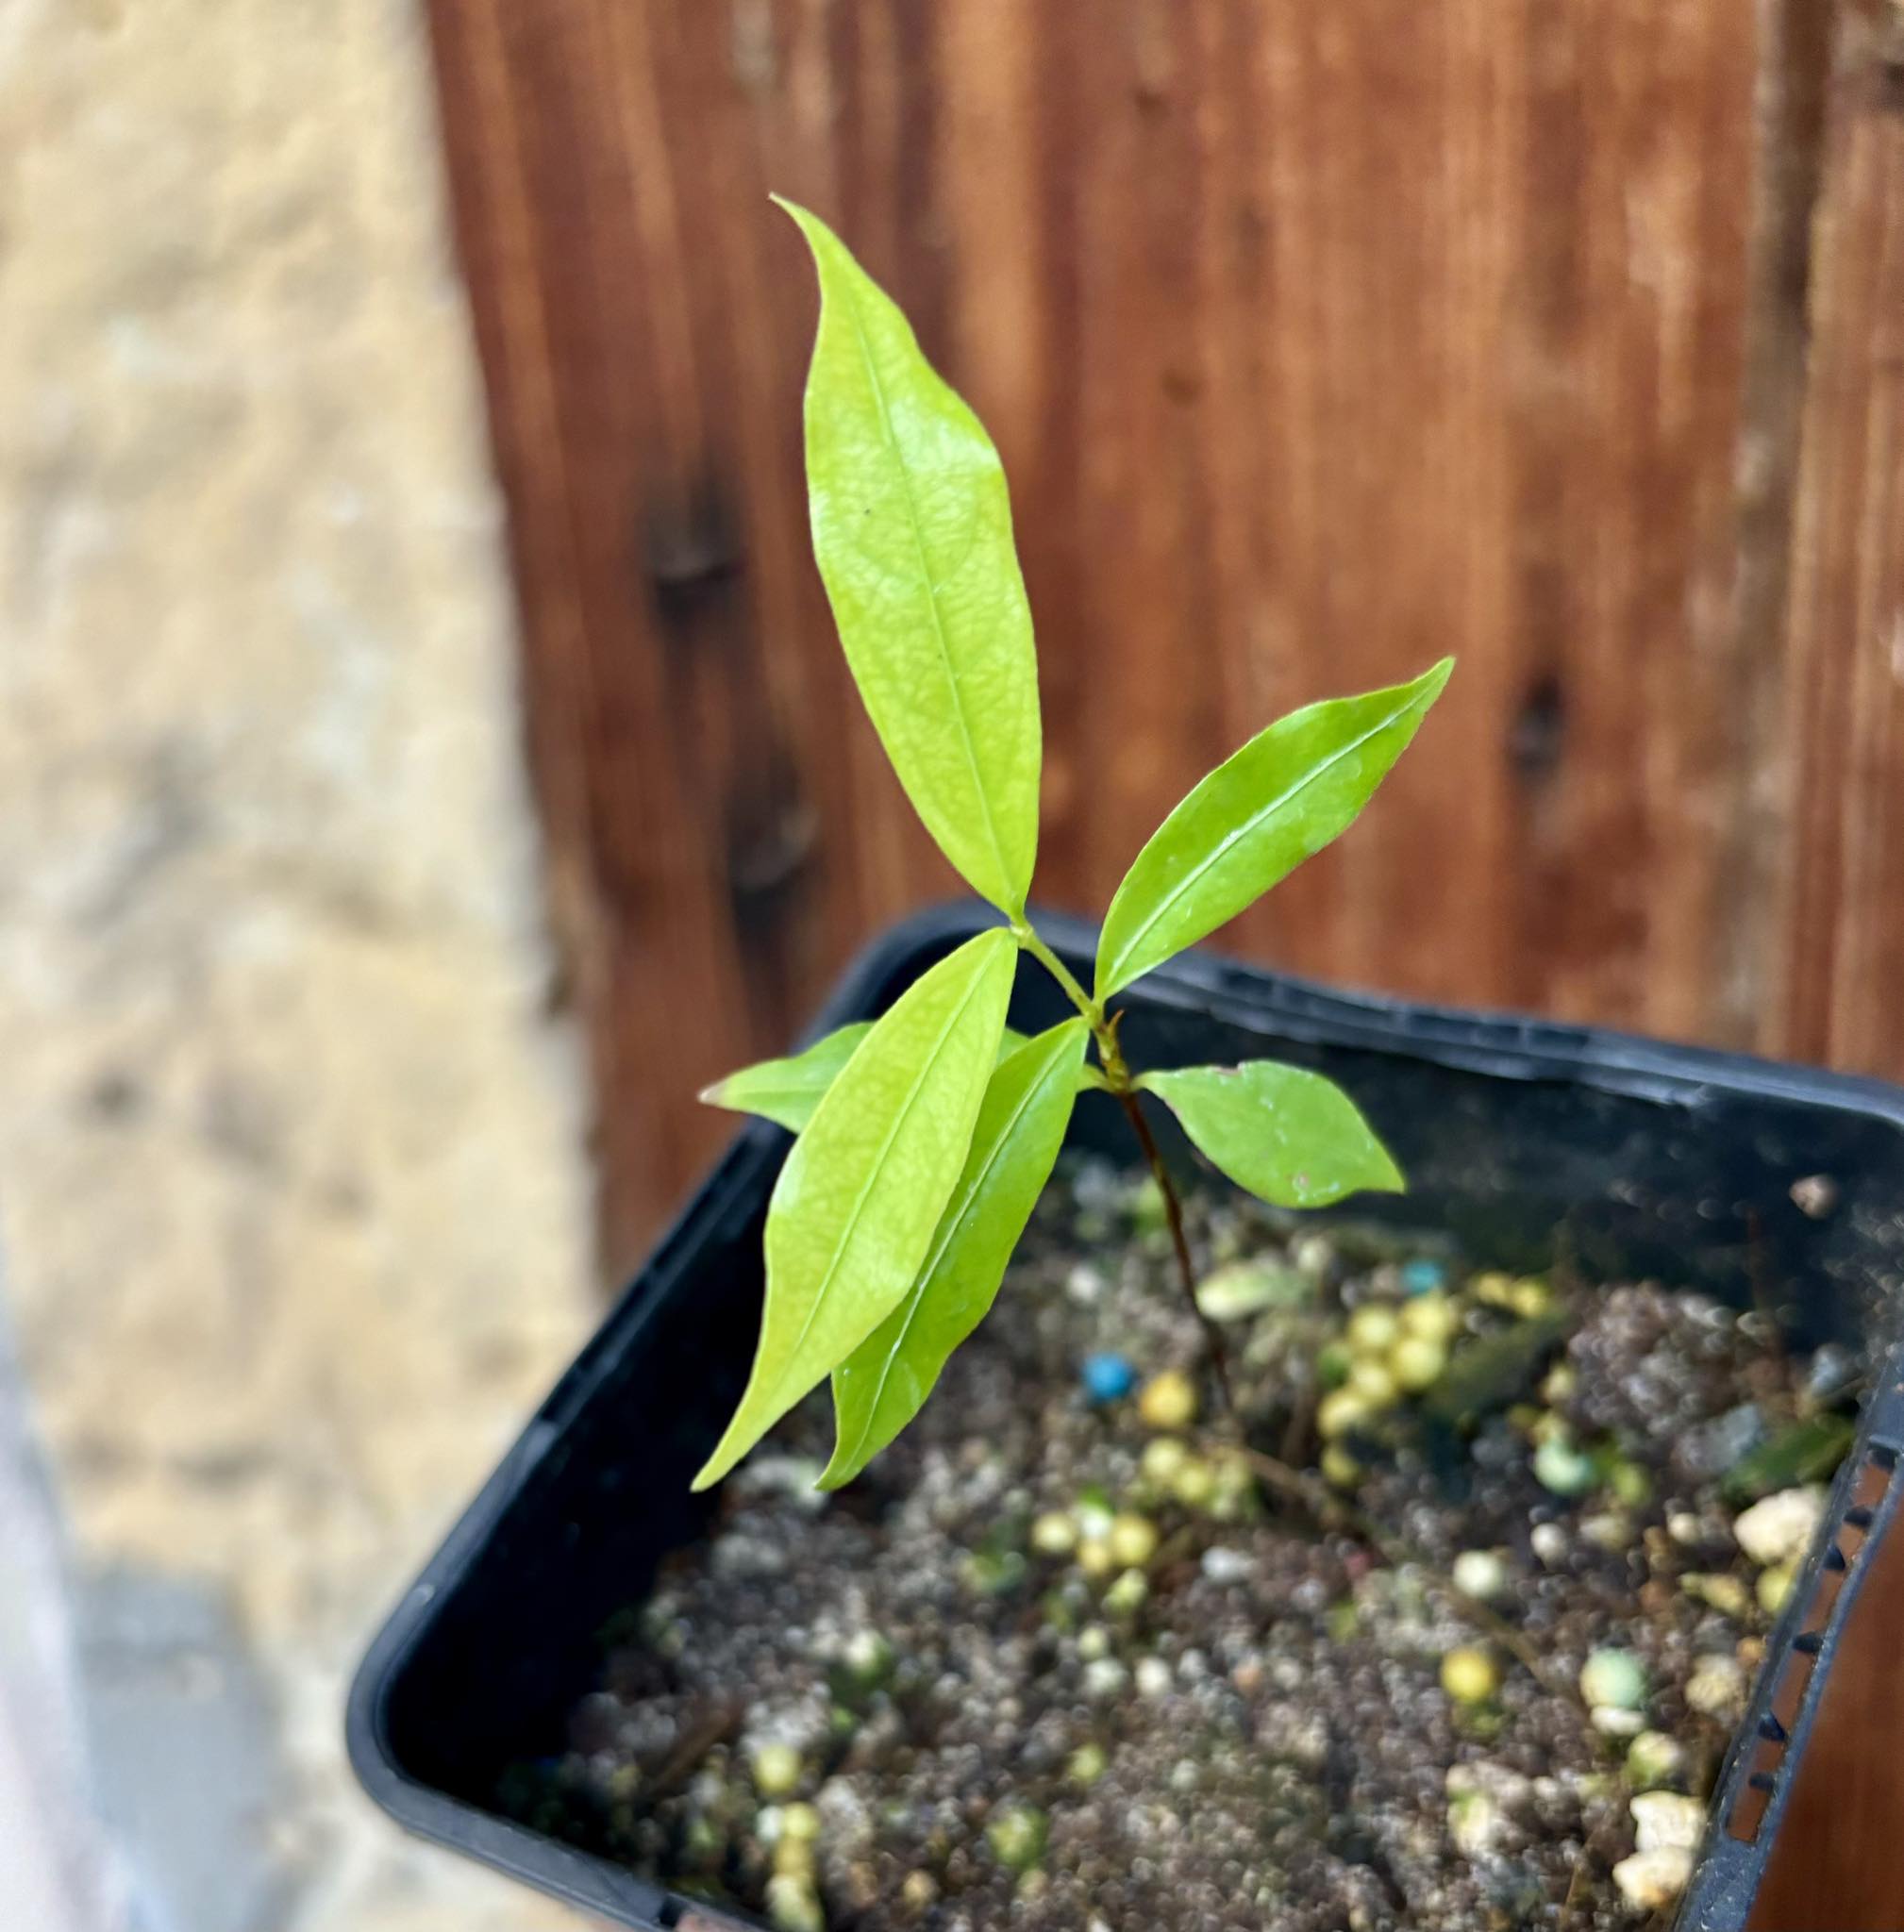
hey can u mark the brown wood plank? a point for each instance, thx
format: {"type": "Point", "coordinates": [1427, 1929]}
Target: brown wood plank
{"type": "Point", "coordinates": [1318, 341]}
{"type": "Point", "coordinates": [1838, 1860]}
{"type": "Point", "coordinates": [1845, 646]}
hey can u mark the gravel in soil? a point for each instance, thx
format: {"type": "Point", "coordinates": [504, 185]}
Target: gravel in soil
{"type": "Point", "coordinates": [1060, 1659]}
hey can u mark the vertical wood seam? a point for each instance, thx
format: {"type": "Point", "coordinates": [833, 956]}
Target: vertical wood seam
{"type": "Point", "coordinates": [1796, 40]}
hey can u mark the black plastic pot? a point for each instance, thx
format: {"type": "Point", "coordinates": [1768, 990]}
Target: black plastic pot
{"type": "Point", "coordinates": [1644, 1160]}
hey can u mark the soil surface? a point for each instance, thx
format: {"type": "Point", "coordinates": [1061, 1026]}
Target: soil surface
{"type": "Point", "coordinates": [1062, 1660]}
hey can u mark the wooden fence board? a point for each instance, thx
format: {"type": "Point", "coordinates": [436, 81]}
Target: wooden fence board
{"type": "Point", "coordinates": [1319, 340]}
{"type": "Point", "coordinates": [1843, 962]}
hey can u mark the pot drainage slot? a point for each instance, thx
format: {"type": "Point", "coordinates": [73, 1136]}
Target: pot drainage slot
{"type": "Point", "coordinates": [1781, 1721]}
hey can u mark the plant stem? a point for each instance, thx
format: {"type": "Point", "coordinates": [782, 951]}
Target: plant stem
{"type": "Point", "coordinates": [1186, 1273]}
{"type": "Point", "coordinates": [1117, 1080]}
{"type": "Point", "coordinates": [1314, 1494]}
{"type": "Point", "coordinates": [1026, 936]}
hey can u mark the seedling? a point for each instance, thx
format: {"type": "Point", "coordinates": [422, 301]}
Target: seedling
{"type": "Point", "coordinates": [924, 1137]}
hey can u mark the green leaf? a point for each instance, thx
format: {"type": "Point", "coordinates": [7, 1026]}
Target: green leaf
{"type": "Point", "coordinates": [1490, 1372]}
{"type": "Point", "coordinates": [786, 1091]}
{"type": "Point", "coordinates": [1292, 1138]}
{"type": "Point", "coordinates": [883, 1384]}
{"type": "Point", "coordinates": [912, 531]}
{"type": "Point", "coordinates": [1803, 1452]}
{"type": "Point", "coordinates": [1279, 800]}
{"type": "Point", "coordinates": [855, 1206]}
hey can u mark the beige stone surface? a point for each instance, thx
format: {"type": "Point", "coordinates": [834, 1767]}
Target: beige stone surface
{"type": "Point", "coordinates": [292, 1173]}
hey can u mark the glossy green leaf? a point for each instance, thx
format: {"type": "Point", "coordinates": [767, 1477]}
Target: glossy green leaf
{"type": "Point", "coordinates": [1292, 1138]}
{"type": "Point", "coordinates": [1279, 800]}
{"type": "Point", "coordinates": [857, 1203]}
{"type": "Point", "coordinates": [882, 1385]}
{"type": "Point", "coordinates": [787, 1090]}
{"type": "Point", "coordinates": [912, 531]}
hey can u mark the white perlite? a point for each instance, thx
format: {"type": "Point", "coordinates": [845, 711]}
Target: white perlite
{"type": "Point", "coordinates": [1666, 1822]}
{"type": "Point", "coordinates": [1483, 1798]}
{"type": "Point", "coordinates": [1716, 1687]}
{"type": "Point", "coordinates": [1481, 1574]}
{"type": "Point", "coordinates": [298, 1213]}
{"type": "Point", "coordinates": [1651, 1880]}
{"type": "Point", "coordinates": [1222, 1565]}
{"type": "Point", "coordinates": [1667, 1830]}
{"type": "Point", "coordinates": [1779, 1528]}
{"type": "Point", "coordinates": [1153, 1676]}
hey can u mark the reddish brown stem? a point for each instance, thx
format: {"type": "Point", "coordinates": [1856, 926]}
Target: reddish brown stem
{"type": "Point", "coordinates": [1117, 1080]}
{"type": "Point", "coordinates": [1173, 1213]}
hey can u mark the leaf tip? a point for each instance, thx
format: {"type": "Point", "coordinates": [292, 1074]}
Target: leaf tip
{"type": "Point", "coordinates": [844, 1463]}
{"type": "Point", "coordinates": [727, 1453]}
{"type": "Point", "coordinates": [1389, 1178]}
{"type": "Point", "coordinates": [809, 224]}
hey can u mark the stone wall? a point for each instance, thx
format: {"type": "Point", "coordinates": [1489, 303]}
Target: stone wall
{"type": "Point", "coordinates": [292, 1175]}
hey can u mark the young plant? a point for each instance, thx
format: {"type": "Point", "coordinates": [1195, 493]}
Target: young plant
{"type": "Point", "coordinates": [924, 1138]}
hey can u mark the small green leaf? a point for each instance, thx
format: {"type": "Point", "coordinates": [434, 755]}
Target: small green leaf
{"type": "Point", "coordinates": [912, 531]}
{"type": "Point", "coordinates": [1292, 1138]}
{"type": "Point", "coordinates": [855, 1204]}
{"type": "Point", "coordinates": [1803, 1452]}
{"type": "Point", "coordinates": [1279, 800]}
{"type": "Point", "coordinates": [882, 1385]}
{"type": "Point", "coordinates": [1492, 1371]}
{"type": "Point", "coordinates": [786, 1091]}
{"type": "Point", "coordinates": [1238, 1289]}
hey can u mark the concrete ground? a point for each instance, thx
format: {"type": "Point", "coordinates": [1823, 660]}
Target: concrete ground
{"type": "Point", "coordinates": [294, 1191]}
{"type": "Point", "coordinates": [58, 1870]}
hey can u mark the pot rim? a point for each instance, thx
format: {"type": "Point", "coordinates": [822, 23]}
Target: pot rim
{"type": "Point", "coordinates": [1498, 1045]}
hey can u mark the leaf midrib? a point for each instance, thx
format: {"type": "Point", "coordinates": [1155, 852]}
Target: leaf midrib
{"type": "Point", "coordinates": [917, 1299]}
{"type": "Point", "coordinates": [1249, 825]}
{"type": "Point", "coordinates": [873, 1173]}
{"type": "Point", "coordinates": [913, 524]}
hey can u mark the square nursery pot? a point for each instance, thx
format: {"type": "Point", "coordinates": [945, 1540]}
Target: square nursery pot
{"type": "Point", "coordinates": [1661, 1162]}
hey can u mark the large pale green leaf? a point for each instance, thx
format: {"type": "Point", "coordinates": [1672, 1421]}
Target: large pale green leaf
{"type": "Point", "coordinates": [1289, 1137]}
{"type": "Point", "coordinates": [882, 1385]}
{"type": "Point", "coordinates": [860, 1196]}
{"type": "Point", "coordinates": [912, 531]}
{"type": "Point", "coordinates": [1279, 800]}
{"type": "Point", "coordinates": [787, 1090]}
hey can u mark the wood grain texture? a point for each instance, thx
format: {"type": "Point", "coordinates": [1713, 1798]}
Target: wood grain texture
{"type": "Point", "coordinates": [1318, 340]}
{"type": "Point", "coordinates": [1843, 980]}
{"type": "Point", "coordinates": [1840, 1855]}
